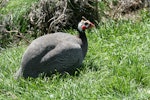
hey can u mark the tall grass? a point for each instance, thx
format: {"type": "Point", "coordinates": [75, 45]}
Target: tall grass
{"type": "Point", "coordinates": [13, 16]}
{"type": "Point", "coordinates": [117, 67]}
{"type": "Point", "coordinates": [17, 10]}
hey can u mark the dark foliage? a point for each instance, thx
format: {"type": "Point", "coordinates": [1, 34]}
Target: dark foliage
{"type": "Point", "coordinates": [55, 15]}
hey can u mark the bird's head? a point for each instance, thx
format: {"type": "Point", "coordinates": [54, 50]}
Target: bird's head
{"type": "Point", "coordinates": [85, 24]}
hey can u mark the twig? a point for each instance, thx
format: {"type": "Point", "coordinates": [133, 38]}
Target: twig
{"type": "Point", "coordinates": [19, 35]}
{"type": "Point", "coordinates": [59, 17]}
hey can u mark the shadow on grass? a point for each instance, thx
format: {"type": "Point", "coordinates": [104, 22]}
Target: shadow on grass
{"type": "Point", "coordinates": [75, 72]}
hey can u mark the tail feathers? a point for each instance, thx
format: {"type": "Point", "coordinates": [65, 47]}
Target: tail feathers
{"type": "Point", "coordinates": [18, 74]}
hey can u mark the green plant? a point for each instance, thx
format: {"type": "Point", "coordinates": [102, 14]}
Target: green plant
{"type": "Point", "coordinates": [116, 67]}
{"type": "Point", "coordinates": [14, 19]}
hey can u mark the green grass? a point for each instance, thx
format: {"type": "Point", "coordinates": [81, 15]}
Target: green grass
{"type": "Point", "coordinates": [117, 67]}
{"type": "Point", "coordinates": [16, 14]}
{"type": "Point", "coordinates": [17, 6]}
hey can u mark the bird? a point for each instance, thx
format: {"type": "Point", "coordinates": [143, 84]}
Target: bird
{"type": "Point", "coordinates": [58, 52]}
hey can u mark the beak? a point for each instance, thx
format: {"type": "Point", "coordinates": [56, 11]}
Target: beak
{"type": "Point", "coordinates": [91, 25]}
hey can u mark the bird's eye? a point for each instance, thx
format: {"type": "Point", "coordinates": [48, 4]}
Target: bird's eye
{"type": "Point", "coordinates": [86, 23]}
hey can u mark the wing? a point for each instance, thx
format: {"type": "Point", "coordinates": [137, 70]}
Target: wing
{"type": "Point", "coordinates": [63, 57]}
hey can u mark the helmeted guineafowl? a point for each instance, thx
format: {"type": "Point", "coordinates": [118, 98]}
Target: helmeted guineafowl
{"type": "Point", "coordinates": [61, 52]}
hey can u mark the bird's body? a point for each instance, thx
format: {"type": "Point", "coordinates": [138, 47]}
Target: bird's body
{"type": "Point", "coordinates": [61, 52]}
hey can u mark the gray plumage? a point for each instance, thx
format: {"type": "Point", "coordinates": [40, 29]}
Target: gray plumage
{"type": "Point", "coordinates": [61, 52]}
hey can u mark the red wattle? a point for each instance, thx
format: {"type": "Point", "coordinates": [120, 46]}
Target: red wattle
{"type": "Point", "coordinates": [83, 27]}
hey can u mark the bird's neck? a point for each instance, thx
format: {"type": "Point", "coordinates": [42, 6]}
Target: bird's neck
{"type": "Point", "coordinates": [84, 44]}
